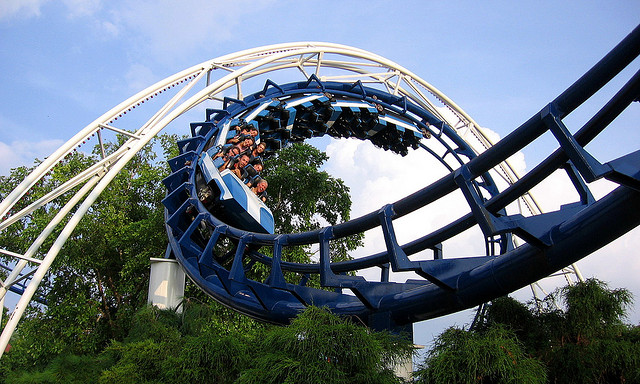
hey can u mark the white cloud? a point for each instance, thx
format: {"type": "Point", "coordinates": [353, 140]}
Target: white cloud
{"type": "Point", "coordinates": [52, 84]}
{"type": "Point", "coordinates": [139, 77]}
{"type": "Point", "coordinates": [378, 177]}
{"type": "Point", "coordinates": [20, 8]}
{"type": "Point", "coordinates": [167, 28]}
{"type": "Point", "coordinates": [21, 152]}
{"type": "Point", "coordinates": [110, 29]}
{"type": "Point", "coordinates": [33, 8]}
{"type": "Point", "coordinates": [82, 8]}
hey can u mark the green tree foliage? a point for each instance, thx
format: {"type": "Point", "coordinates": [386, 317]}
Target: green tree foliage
{"type": "Point", "coordinates": [532, 327]}
{"type": "Point", "coordinates": [199, 346]}
{"type": "Point", "coordinates": [493, 356]}
{"type": "Point", "coordinates": [300, 194]}
{"type": "Point", "coordinates": [593, 310]}
{"type": "Point", "coordinates": [302, 197]}
{"type": "Point", "coordinates": [586, 342]}
{"type": "Point", "coordinates": [206, 343]}
{"type": "Point", "coordinates": [68, 369]}
{"type": "Point", "coordinates": [319, 347]}
{"type": "Point", "coordinates": [594, 345]}
{"type": "Point", "coordinates": [100, 277]}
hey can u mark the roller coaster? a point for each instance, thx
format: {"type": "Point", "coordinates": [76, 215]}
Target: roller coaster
{"type": "Point", "coordinates": [346, 92]}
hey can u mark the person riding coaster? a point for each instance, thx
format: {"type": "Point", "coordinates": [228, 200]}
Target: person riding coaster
{"type": "Point", "coordinates": [223, 191]}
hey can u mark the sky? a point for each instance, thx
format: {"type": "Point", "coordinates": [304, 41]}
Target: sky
{"type": "Point", "coordinates": [64, 63]}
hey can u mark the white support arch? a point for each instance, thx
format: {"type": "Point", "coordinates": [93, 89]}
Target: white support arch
{"type": "Point", "coordinates": [327, 61]}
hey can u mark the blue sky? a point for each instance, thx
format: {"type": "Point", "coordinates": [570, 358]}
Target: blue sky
{"type": "Point", "coordinates": [64, 63]}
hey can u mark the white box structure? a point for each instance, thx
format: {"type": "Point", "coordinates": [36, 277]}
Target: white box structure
{"type": "Point", "coordinates": [166, 284]}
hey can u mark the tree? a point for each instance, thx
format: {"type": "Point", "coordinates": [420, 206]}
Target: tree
{"type": "Point", "coordinates": [301, 194]}
{"type": "Point", "coordinates": [532, 327]}
{"type": "Point", "coordinates": [593, 344]}
{"type": "Point", "coordinates": [584, 342]}
{"type": "Point", "coordinates": [319, 347]}
{"type": "Point", "coordinates": [206, 343]}
{"type": "Point", "coordinates": [68, 369]}
{"type": "Point", "coordinates": [303, 197]}
{"type": "Point", "coordinates": [493, 356]}
{"type": "Point", "coordinates": [100, 277]}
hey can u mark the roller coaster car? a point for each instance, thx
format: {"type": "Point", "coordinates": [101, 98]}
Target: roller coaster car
{"type": "Point", "coordinates": [230, 200]}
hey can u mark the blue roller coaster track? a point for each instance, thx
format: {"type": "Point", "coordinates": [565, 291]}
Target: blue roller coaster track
{"type": "Point", "coordinates": [221, 232]}
{"type": "Point", "coordinates": [294, 112]}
